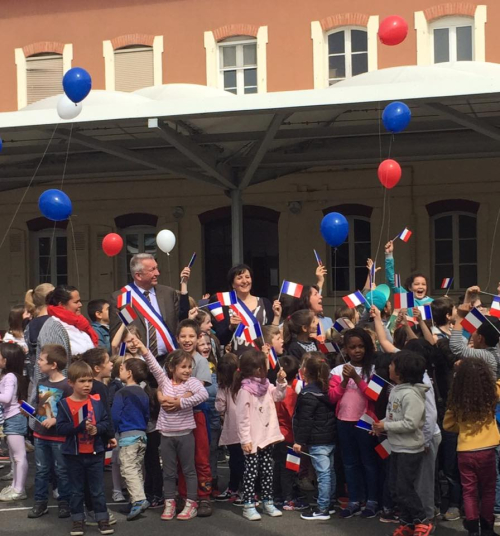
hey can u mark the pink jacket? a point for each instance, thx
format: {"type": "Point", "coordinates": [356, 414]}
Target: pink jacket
{"type": "Point", "coordinates": [257, 418]}
{"type": "Point", "coordinates": [226, 406]}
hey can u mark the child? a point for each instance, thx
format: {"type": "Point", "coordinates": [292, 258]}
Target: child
{"type": "Point", "coordinates": [48, 445]}
{"type": "Point", "coordinates": [130, 414]}
{"type": "Point", "coordinates": [258, 428]}
{"type": "Point", "coordinates": [300, 329]}
{"type": "Point", "coordinates": [83, 448]}
{"type": "Point", "coordinates": [225, 405]}
{"type": "Point", "coordinates": [348, 384]}
{"type": "Point", "coordinates": [98, 311]}
{"type": "Point", "coordinates": [471, 414]}
{"type": "Point", "coordinates": [284, 478]}
{"type": "Point", "coordinates": [273, 337]}
{"type": "Point", "coordinates": [126, 335]}
{"type": "Point", "coordinates": [16, 328]}
{"type": "Point", "coordinates": [404, 424]}
{"type": "Point", "coordinates": [314, 427]}
{"type": "Point", "coordinates": [181, 393]}
{"type": "Point", "coordinates": [15, 425]}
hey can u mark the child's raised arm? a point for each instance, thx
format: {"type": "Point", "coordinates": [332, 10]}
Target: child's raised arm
{"type": "Point", "coordinates": [151, 362]}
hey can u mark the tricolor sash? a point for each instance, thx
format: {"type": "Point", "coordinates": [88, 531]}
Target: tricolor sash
{"type": "Point", "coordinates": [145, 307]}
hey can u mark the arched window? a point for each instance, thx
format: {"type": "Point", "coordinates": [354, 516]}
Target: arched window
{"type": "Point", "coordinates": [238, 64]}
{"type": "Point", "coordinates": [134, 67]}
{"type": "Point", "coordinates": [452, 39]}
{"type": "Point", "coordinates": [44, 74]}
{"type": "Point", "coordinates": [347, 53]}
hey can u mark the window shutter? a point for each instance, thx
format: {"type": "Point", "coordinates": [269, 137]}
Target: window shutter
{"type": "Point", "coordinates": [44, 76]}
{"type": "Point", "coordinates": [134, 68]}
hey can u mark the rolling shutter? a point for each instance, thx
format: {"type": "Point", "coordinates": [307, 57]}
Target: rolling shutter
{"type": "Point", "coordinates": [44, 76]}
{"type": "Point", "coordinates": [134, 68]}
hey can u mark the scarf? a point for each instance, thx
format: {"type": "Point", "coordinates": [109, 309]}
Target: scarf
{"type": "Point", "coordinates": [255, 386]}
{"type": "Point", "coordinates": [79, 321]}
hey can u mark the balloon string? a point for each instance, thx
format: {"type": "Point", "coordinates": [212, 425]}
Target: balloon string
{"type": "Point", "coordinates": [335, 278]}
{"type": "Point", "coordinates": [67, 154]}
{"type": "Point", "coordinates": [382, 226]}
{"type": "Point", "coordinates": [169, 270]}
{"type": "Point", "coordinates": [492, 249]}
{"type": "Point", "coordinates": [27, 189]}
{"type": "Point", "coordinates": [76, 255]}
{"type": "Point", "coordinates": [379, 132]}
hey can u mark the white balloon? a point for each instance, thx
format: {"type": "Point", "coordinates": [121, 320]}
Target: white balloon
{"type": "Point", "coordinates": [165, 240]}
{"type": "Point", "coordinates": [68, 109]}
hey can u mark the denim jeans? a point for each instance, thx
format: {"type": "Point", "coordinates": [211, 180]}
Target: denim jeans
{"type": "Point", "coordinates": [449, 466]}
{"type": "Point", "coordinates": [87, 468]}
{"type": "Point", "coordinates": [48, 457]}
{"type": "Point", "coordinates": [322, 460]}
{"type": "Point", "coordinates": [361, 462]}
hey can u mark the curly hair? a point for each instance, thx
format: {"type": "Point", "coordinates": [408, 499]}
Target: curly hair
{"type": "Point", "coordinates": [473, 396]}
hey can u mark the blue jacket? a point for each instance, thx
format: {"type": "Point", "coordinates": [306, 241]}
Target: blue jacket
{"type": "Point", "coordinates": [103, 334]}
{"type": "Point", "coordinates": [130, 410]}
{"type": "Point", "coordinates": [65, 427]}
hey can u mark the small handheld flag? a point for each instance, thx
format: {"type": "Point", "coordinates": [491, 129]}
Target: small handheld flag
{"type": "Point", "coordinates": [473, 321]}
{"type": "Point", "coordinates": [446, 283]}
{"type": "Point", "coordinates": [123, 349]}
{"type": "Point", "coordinates": [340, 324]}
{"type": "Point", "coordinates": [405, 235]}
{"type": "Point", "coordinates": [291, 289]}
{"type": "Point", "coordinates": [216, 310]}
{"type": "Point", "coordinates": [318, 259]}
{"type": "Point", "coordinates": [425, 311]}
{"type": "Point", "coordinates": [191, 262]}
{"type": "Point", "coordinates": [297, 385]}
{"type": "Point", "coordinates": [354, 299]}
{"type": "Point", "coordinates": [328, 347]}
{"type": "Point", "coordinates": [372, 273]}
{"type": "Point", "coordinates": [81, 415]}
{"type": "Point", "coordinates": [397, 281]}
{"type": "Point", "coordinates": [108, 455]}
{"type": "Point", "coordinates": [320, 332]}
{"type": "Point", "coordinates": [495, 307]}
{"type": "Point", "coordinates": [124, 299]}
{"type": "Point", "coordinates": [227, 298]}
{"type": "Point", "coordinates": [292, 460]}
{"type": "Point", "coordinates": [384, 449]}
{"type": "Point", "coordinates": [273, 358]}
{"type": "Point", "coordinates": [404, 300]}
{"type": "Point", "coordinates": [28, 408]}
{"type": "Point", "coordinates": [375, 387]}
{"type": "Point", "coordinates": [366, 422]}
{"type": "Point", "coordinates": [127, 315]}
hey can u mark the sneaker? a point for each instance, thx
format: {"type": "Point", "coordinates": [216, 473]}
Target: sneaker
{"type": "Point", "coordinates": [403, 530]}
{"type": "Point", "coordinates": [270, 509]}
{"type": "Point", "coordinates": [137, 508]}
{"type": "Point", "coordinates": [7, 477]}
{"type": "Point", "coordinates": [423, 529]}
{"type": "Point", "coordinates": [204, 508]}
{"type": "Point", "coordinates": [452, 514]}
{"type": "Point", "coordinates": [190, 510]}
{"type": "Point", "coordinates": [169, 510]}
{"type": "Point", "coordinates": [118, 496]}
{"type": "Point", "coordinates": [352, 509]}
{"type": "Point", "coordinates": [497, 520]}
{"type": "Point", "coordinates": [331, 508]}
{"type": "Point", "coordinates": [156, 502]}
{"type": "Point", "coordinates": [278, 502]}
{"type": "Point", "coordinates": [38, 510]}
{"type": "Point", "coordinates": [226, 495]}
{"type": "Point", "coordinates": [55, 493]}
{"type": "Point", "coordinates": [78, 528]}
{"type": "Point", "coordinates": [237, 500]}
{"type": "Point", "coordinates": [370, 510]}
{"type": "Point", "coordinates": [296, 504]}
{"type": "Point", "coordinates": [63, 510]}
{"type": "Point", "coordinates": [250, 512]}
{"type": "Point", "coordinates": [29, 446]}
{"type": "Point", "coordinates": [315, 514]}
{"type": "Point", "coordinates": [91, 522]}
{"type": "Point", "coordinates": [105, 527]}
{"type": "Point", "coordinates": [306, 485]}
{"type": "Point", "coordinates": [388, 516]}
{"type": "Point", "coordinates": [12, 495]}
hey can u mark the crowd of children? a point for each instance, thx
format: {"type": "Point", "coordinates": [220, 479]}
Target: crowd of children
{"type": "Point", "coordinates": [379, 412]}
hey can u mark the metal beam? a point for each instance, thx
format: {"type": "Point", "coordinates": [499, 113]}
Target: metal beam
{"type": "Point", "coordinates": [464, 120]}
{"type": "Point", "coordinates": [196, 154]}
{"type": "Point", "coordinates": [264, 145]}
{"type": "Point", "coordinates": [126, 154]}
{"type": "Point", "coordinates": [236, 227]}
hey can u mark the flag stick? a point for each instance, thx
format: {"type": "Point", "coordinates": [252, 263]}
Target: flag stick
{"type": "Point", "coordinates": [488, 293]}
{"type": "Point", "coordinates": [281, 291]}
{"type": "Point", "coordinates": [307, 454]}
{"type": "Point", "coordinates": [491, 324]}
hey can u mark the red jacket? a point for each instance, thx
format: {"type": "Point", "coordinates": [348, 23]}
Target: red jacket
{"type": "Point", "coordinates": [285, 410]}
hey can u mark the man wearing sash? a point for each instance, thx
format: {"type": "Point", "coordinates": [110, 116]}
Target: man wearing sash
{"type": "Point", "coordinates": [156, 306]}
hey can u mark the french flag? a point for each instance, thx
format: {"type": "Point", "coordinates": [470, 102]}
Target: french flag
{"type": "Point", "coordinates": [495, 307]}
{"type": "Point", "coordinates": [292, 460]}
{"type": "Point", "coordinates": [127, 315]}
{"type": "Point", "coordinates": [216, 310]}
{"type": "Point", "coordinates": [328, 347]}
{"type": "Point", "coordinates": [318, 259]}
{"type": "Point", "coordinates": [425, 311]}
{"type": "Point", "coordinates": [397, 281]}
{"type": "Point", "coordinates": [405, 235]}
{"type": "Point", "coordinates": [375, 387]}
{"type": "Point", "coordinates": [297, 385]}
{"type": "Point", "coordinates": [273, 358]}
{"type": "Point", "coordinates": [291, 289]}
{"type": "Point", "coordinates": [227, 298]}
{"type": "Point", "coordinates": [354, 299]}
{"type": "Point", "coordinates": [124, 299]}
{"type": "Point", "coordinates": [404, 300]}
{"type": "Point", "coordinates": [123, 349]}
{"type": "Point", "coordinates": [81, 415]}
{"type": "Point", "coordinates": [107, 457]}
{"type": "Point", "coordinates": [473, 321]}
{"type": "Point", "coordinates": [366, 422]}
{"type": "Point", "coordinates": [447, 282]}
{"type": "Point", "coordinates": [373, 271]}
{"type": "Point", "coordinates": [340, 324]}
{"type": "Point", "coordinates": [384, 449]}
{"type": "Point", "coordinates": [191, 262]}
{"type": "Point", "coordinates": [244, 313]}
{"type": "Point", "coordinates": [320, 332]}
{"type": "Point", "coordinates": [252, 332]}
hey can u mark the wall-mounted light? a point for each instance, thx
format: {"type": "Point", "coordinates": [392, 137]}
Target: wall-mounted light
{"type": "Point", "coordinates": [295, 207]}
{"type": "Point", "coordinates": [178, 212]}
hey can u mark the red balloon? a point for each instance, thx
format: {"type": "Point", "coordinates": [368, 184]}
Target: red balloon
{"type": "Point", "coordinates": [393, 30]}
{"type": "Point", "coordinates": [112, 244]}
{"type": "Point", "coordinates": [389, 173]}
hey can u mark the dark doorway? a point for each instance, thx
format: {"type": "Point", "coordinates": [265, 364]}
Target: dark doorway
{"type": "Point", "coordinates": [260, 248]}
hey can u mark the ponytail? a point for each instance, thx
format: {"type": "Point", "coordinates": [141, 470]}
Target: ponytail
{"type": "Point", "coordinates": [295, 323]}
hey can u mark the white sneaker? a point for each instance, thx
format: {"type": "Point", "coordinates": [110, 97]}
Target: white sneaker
{"type": "Point", "coordinates": [12, 495]}
{"type": "Point", "coordinates": [270, 509]}
{"type": "Point", "coordinates": [55, 493]}
{"type": "Point", "coordinates": [118, 496]}
{"type": "Point", "coordinates": [250, 513]}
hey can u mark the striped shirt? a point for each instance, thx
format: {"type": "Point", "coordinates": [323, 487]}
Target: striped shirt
{"type": "Point", "coordinates": [459, 347]}
{"type": "Point", "coordinates": [181, 420]}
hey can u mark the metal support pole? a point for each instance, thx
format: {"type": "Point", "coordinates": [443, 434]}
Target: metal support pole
{"type": "Point", "coordinates": [236, 226]}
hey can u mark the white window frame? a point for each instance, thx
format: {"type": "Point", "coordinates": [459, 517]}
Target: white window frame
{"type": "Point", "coordinates": [320, 48]}
{"type": "Point", "coordinates": [351, 242]}
{"type": "Point", "coordinates": [240, 68]}
{"type": "Point", "coordinates": [109, 63]}
{"type": "Point", "coordinates": [52, 235]}
{"type": "Point", "coordinates": [213, 60]}
{"type": "Point", "coordinates": [455, 244]}
{"type": "Point", "coordinates": [451, 24]}
{"type": "Point", "coordinates": [425, 34]}
{"type": "Point", "coordinates": [22, 75]}
{"type": "Point", "coordinates": [348, 53]}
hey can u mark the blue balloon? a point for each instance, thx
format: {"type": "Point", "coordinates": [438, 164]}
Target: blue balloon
{"type": "Point", "coordinates": [396, 117]}
{"type": "Point", "coordinates": [334, 228]}
{"type": "Point", "coordinates": [55, 205]}
{"type": "Point", "coordinates": [77, 84]}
